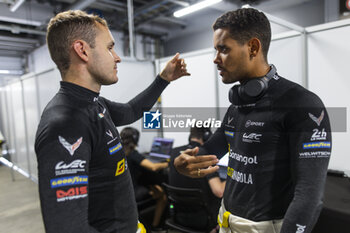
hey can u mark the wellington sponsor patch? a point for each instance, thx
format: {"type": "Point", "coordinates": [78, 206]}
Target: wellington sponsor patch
{"type": "Point", "coordinates": [314, 154]}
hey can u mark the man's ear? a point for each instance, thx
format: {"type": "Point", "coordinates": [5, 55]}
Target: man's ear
{"type": "Point", "coordinates": [254, 46]}
{"type": "Point", "coordinates": [81, 48]}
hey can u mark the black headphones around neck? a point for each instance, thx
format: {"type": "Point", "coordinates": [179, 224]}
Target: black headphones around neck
{"type": "Point", "coordinates": [253, 89]}
{"type": "Point", "coordinates": [206, 134]}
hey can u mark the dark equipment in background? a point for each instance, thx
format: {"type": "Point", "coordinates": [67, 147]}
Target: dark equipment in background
{"type": "Point", "coordinates": [335, 215]}
{"type": "Point", "coordinates": [189, 199]}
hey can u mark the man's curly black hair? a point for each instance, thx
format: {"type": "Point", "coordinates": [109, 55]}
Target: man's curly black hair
{"type": "Point", "coordinates": [244, 24]}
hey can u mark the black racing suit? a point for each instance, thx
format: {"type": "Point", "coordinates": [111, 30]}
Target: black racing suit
{"type": "Point", "coordinates": [279, 148]}
{"type": "Point", "coordinates": [84, 181]}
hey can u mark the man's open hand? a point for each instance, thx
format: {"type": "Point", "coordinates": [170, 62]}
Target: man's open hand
{"type": "Point", "coordinates": [189, 164]}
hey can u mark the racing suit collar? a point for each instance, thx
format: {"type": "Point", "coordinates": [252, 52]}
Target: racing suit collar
{"type": "Point", "coordinates": [79, 91]}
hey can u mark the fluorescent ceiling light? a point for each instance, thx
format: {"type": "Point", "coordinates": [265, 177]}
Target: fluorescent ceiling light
{"type": "Point", "coordinates": [195, 7]}
{"type": "Point", "coordinates": [12, 72]}
{"type": "Point", "coordinates": [4, 71]}
{"type": "Point", "coordinates": [16, 5]}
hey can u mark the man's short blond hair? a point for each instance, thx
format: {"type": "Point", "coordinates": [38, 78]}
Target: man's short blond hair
{"type": "Point", "coordinates": [64, 29]}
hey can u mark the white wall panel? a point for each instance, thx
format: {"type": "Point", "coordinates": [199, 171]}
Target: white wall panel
{"type": "Point", "coordinates": [3, 112]}
{"type": "Point", "coordinates": [11, 63]}
{"type": "Point", "coordinates": [10, 124]}
{"type": "Point", "coordinates": [40, 60]}
{"type": "Point", "coordinates": [32, 119]}
{"type": "Point", "coordinates": [223, 93]}
{"type": "Point", "coordinates": [329, 78]}
{"type": "Point", "coordinates": [134, 77]}
{"type": "Point", "coordinates": [48, 84]}
{"type": "Point", "coordinates": [19, 127]}
{"type": "Point", "coordinates": [286, 55]}
{"type": "Point", "coordinates": [195, 91]}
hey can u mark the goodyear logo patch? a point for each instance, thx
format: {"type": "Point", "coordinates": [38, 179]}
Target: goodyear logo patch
{"type": "Point", "coordinates": [66, 181]}
{"type": "Point", "coordinates": [229, 133]}
{"type": "Point", "coordinates": [312, 145]}
{"type": "Point", "coordinates": [115, 148]}
{"type": "Point", "coordinates": [120, 167]}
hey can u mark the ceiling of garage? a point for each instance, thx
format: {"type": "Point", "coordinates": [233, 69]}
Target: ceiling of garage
{"type": "Point", "coordinates": [24, 29]}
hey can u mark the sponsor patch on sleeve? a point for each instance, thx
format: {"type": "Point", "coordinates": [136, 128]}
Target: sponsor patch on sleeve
{"type": "Point", "coordinates": [229, 133]}
{"type": "Point", "coordinates": [115, 149]}
{"type": "Point", "coordinates": [66, 181]}
{"type": "Point", "coordinates": [120, 167]}
{"type": "Point", "coordinates": [316, 145]}
{"type": "Point", "coordinates": [71, 194]}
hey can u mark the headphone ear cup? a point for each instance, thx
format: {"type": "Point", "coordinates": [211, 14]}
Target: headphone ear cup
{"type": "Point", "coordinates": [233, 94]}
{"type": "Point", "coordinates": [207, 135]}
{"type": "Point", "coordinates": [135, 136]}
{"type": "Point", "coordinates": [230, 95]}
{"type": "Point", "coordinates": [253, 89]}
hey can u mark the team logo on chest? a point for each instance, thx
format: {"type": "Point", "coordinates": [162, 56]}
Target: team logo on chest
{"type": "Point", "coordinates": [229, 120]}
{"type": "Point", "coordinates": [110, 134]}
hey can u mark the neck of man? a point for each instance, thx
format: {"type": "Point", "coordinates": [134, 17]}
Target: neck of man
{"type": "Point", "coordinates": [257, 70]}
{"type": "Point", "coordinates": [80, 76]}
